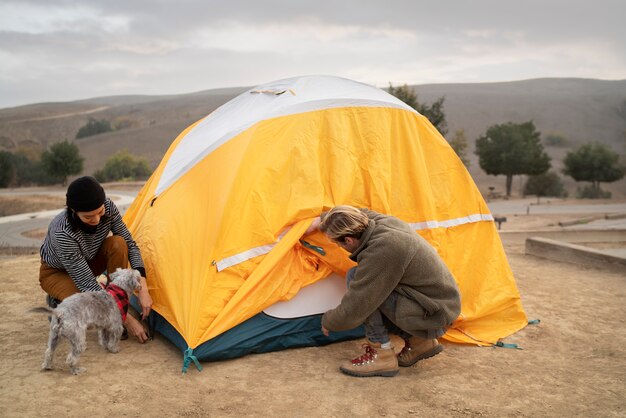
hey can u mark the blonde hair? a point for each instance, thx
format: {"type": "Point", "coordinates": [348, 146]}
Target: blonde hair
{"type": "Point", "coordinates": [344, 221]}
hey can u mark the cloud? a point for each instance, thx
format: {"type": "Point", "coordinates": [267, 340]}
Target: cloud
{"type": "Point", "coordinates": [67, 49]}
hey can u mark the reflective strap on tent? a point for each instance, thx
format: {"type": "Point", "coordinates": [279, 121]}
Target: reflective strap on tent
{"type": "Point", "coordinates": [264, 249]}
{"type": "Point", "coordinates": [248, 254]}
{"type": "Point", "coordinates": [241, 257]}
{"type": "Point", "coordinates": [452, 222]}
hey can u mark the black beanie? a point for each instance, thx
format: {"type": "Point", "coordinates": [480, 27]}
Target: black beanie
{"type": "Point", "coordinates": [84, 194]}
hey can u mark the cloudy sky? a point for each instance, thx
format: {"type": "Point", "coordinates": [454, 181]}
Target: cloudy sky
{"type": "Point", "coordinates": [59, 50]}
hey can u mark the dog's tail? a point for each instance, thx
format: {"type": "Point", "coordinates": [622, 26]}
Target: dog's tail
{"type": "Point", "coordinates": [42, 309]}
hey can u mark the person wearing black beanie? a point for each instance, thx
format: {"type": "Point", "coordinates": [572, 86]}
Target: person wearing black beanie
{"type": "Point", "coordinates": [86, 240]}
{"type": "Point", "coordinates": [85, 194]}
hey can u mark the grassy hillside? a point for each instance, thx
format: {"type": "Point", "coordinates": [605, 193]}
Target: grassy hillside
{"type": "Point", "coordinates": [580, 110]}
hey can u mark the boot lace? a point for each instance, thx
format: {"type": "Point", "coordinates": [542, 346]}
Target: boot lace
{"type": "Point", "coordinates": [368, 356]}
{"type": "Point", "coordinates": [405, 350]}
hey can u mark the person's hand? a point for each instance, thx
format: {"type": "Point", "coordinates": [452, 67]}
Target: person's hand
{"type": "Point", "coordinates": [145, 300]}
{"type": "Point", "coordinates": [315, 225]}
{"type": "Point", "coordinates": [135, 329]}
{"type": "Point", "coordinates": [324, 331]}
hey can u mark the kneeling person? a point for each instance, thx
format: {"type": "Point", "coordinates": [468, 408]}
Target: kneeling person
{"type": "Point", "coordinates": [400, 285]}
{"type": "Point", "coordinates": [82, 242]}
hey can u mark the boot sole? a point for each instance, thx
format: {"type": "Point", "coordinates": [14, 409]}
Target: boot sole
{"type": "Point", "coordinates": [382, 373]}
{"type": "Point", "coordinates": [436, 350]}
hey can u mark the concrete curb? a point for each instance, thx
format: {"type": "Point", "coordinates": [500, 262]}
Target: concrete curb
{"type": "Point", "coordinates": [572, 253]}
{"type": "Point", "coordinates": [611, 216]}
{"type": "Point", "coordinates": [569, 235]}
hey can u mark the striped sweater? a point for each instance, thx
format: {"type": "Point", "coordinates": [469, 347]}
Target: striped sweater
{"type": "Point", "coordinates": [69, 248]}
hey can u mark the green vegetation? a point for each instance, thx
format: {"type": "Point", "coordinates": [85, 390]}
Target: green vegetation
{"type": "Point", "coordinates": [30, 171]}
{"type": "Point", "coordinates": [62, 160]}
{"type": "Point", "coordinates": [23, 168]}
{"type": "Point", "coordinates": [433, 112]}
{"type": "Point", "coordinates": [7, 168]}
{"type": "Point", "coordinates": [26, 167]}
{"type": "Point", "coordinates": [124, 122]}
{"type": "Point", "coordinates": [94, 127]}
{"type": "Point", "coordinates": [459, 145]}
{"type": "Point", "coordinates": [596, 163]}
{"type": "Point", "coordinates": [512, 149]}
{"type": "Point", "coordinates": [123, 166]}
{"type": "Point", "coordinates": [547, 184]}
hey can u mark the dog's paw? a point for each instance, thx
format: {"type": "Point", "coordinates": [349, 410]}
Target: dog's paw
{"type": "Point", "coordinates": [46, 367]}
{"type": "Point", "coordinates": [113, 349]}
{"type": "Point", "coordinates": [78, 370]}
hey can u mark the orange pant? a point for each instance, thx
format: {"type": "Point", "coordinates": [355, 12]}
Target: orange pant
{"type": "Point", "coordinates": [112, 254]}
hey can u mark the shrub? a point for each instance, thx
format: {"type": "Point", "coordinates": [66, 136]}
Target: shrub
{"type": "Point", "coordinates": [94, 127]}
{"type": "Point", "coordinates": [124, 122]}
{"type": "Point", "coordinates": [7, 168]}
{"type": "Point", "coordinates": [123, 166]}
{"type": "Point", "coordinates": [30, 171]}
{"type": "Point", "coordinates": [591, 192]}
{"type": "Point", "coordinates": [547, 184]}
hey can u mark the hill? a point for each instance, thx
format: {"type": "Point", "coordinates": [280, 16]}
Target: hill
{"type": "Point", "coordinates": [580, 110]}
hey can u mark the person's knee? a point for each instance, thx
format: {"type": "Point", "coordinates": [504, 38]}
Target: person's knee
{"type": "Point", "coordinates": [116, 244]}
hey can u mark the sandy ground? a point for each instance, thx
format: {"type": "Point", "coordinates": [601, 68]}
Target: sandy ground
{"type": "Point", "coordinates": [572, 364]}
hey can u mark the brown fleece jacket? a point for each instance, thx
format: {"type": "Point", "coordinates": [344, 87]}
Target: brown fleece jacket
{"type": "Point", "coordinates": [391, 257]}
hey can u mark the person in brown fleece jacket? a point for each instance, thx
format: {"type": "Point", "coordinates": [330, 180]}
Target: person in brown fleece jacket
{"type": "Point", "coordinates": [400, 285]}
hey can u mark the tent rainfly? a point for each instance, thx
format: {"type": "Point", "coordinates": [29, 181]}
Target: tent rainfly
{"type": "Point", "coordinates": [220, 222]}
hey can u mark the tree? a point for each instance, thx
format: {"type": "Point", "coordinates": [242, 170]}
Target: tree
{"type": "Point", "coordinates": [63, 159]}
{"type": "Point", "coordinates": [593, 162]}
{"type": "Point", "coordinates": [123, 166]}
{"type": "Point", "coordinates": [512, 149]}
{"type": "Point", "coordinates": [459, 145]}
{"type": "Point", "coordinates": [434, 112]}
{"type": "Point", "coordinates": [30, 171]}
{"type": "Point", "coordinates": [547, 184]}
{"type": "Point", "coordinates": [7, 168]}
{"type": "Point", "coordinates": [94, 127]}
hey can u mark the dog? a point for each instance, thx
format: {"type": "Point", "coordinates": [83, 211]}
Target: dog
{"type": "Point", "coordinates": [101, 310]}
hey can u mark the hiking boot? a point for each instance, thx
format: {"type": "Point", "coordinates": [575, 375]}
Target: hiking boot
{"type": "Point", "coordinates": [416, 349]}
{"type": "Point", "coordinates": [375, 361]}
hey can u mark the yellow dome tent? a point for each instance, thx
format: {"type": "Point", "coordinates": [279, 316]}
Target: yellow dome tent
{"type": "Point", "coordinates": [220, 221]}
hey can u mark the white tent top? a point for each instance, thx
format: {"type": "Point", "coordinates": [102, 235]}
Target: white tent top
{"type": "Point", "coordinates": [279, 98]}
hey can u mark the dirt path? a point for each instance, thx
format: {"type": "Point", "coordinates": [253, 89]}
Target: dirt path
{"type": "Point", "coordinates": [63, 115]}
{"type": "Point", "coordinates": [572, 364]}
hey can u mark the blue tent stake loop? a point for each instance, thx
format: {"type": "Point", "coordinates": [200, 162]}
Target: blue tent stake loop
{"type": "Point", "coordinates": [506, 345]}
{"type": "Point", "coordinates": [188, 357]}
{"type": "Point", "coordinates": [534, 321]}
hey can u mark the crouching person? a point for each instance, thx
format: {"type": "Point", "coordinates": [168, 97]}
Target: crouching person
{"type": "Point", "coordinates": [83, 241]}
{"type": "Point", "coordinates": [400, 285]}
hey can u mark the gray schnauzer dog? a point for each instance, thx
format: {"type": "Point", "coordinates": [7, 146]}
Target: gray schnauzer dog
{"type": "Point", "coordinates": [101, 310]}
